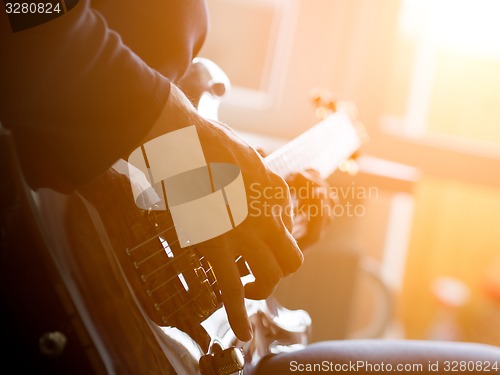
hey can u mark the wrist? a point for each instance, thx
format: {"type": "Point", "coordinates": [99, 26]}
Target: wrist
{"type": "Point", "coordinates": [177, 113]}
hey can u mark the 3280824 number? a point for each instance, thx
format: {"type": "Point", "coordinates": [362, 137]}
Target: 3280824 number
{"type": "Point", "coordinates": [471, 366]}
{"type": "Point", "coordinates": [32, 8]}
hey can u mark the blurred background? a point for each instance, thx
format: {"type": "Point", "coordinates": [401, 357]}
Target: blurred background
{"type": "Point", "coordinates": [420, 258]}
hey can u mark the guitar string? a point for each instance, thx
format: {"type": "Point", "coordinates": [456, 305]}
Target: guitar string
{"type": "Point", "coordinates": [138, 263]}
{"type": "Point", "coordinates": [282, 162]}
{"type": "Point", "coordinates": [189, 284]}
{"type": "Point", "coordinates": [175, 259]}
{"type": "Point", "coordinates": [179, 256]}
{"type": "Point", "coordinates": [171, 260]}
{"type": "Point", "coordinates": [177, 272]}
{"type": "Point", "coordinates": [171, 296]}
{"type": "Point", "coordinates": [162, 249]}
{"type": "Point", "coordinates": [132, 249]}
{"type": "Point", "coordinates": [179, 291]}
{"type": "Point", "coordinates": [183, 305]}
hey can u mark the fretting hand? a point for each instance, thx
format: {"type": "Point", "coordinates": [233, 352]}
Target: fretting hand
{"type": "Point", "coordinates": [313, 206]}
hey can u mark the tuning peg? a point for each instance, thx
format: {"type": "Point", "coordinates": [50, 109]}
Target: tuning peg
{"type": "Point", "coordinates": [323, 101]}
{"type": "Point", "coordinates": [349, 107]}
{"type": "Point", "coordinates": [349, 166]}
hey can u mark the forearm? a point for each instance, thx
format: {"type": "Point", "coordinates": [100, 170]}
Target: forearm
{"type": "Point", "coordinates": [74, 95]}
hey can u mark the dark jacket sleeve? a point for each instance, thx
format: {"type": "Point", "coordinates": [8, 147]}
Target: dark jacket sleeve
{"type": "Point", "coordinates": [75, 96]}
{"type": "Point", "coordinates": [166, 34]}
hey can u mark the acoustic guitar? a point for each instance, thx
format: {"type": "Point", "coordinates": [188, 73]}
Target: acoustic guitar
{"type": "Point", "coordinates": [93, 284]}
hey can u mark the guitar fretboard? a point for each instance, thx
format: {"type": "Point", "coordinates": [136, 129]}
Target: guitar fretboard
{"type": "Point", "coordinates": [323, 147]}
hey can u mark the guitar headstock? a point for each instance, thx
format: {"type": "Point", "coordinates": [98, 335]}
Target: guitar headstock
{"type": "Point", "coordinates": [326, 103]}
{"type": "Point", "coordinates": [204, 84]}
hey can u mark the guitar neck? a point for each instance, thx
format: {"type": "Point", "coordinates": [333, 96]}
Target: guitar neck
{"type": "Point", "coordinates": [322, 147]}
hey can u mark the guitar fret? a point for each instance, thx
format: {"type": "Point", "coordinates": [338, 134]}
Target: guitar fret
{"type": "Point", "coordinates": [311, 149]}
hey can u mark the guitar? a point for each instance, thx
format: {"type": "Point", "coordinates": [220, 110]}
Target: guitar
{"type": "Point", "coordinates": [93, 284]}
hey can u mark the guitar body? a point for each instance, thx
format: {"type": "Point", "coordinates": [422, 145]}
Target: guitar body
{"type": "Point", "coordinates": [76, 299]}
{"type": "Point", "coordinates": [36, 304]}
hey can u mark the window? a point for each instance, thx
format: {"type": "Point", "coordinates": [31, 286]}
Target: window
{"type": "Point", "coordinates": [445, 80]}
{"type": "Point", "coordinates": [250, 40]}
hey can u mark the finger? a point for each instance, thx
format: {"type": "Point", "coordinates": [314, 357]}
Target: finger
{"type": "Point", "coordinates": [265, 269]}
{"type": "Point", "coordinates": [261, 152]}
{"type": "Point", "coordinates": [283, 210]}
{"type": "Point", "coordinates": [307, 177]}
{"type": "Point", "coordinates": [232, 293]}
{"type": "Point", "coordinates": [312, 235]}
{"type": "Point", "coordinates": [284, 247]}
{"type": "Point", "coordinates": [314, 175]}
